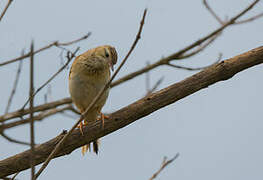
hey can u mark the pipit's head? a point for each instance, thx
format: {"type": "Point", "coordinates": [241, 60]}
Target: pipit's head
{"type": "Point", "coordinates": [106, 53]}
{"type": "Point", "coordinates": [95, 61]}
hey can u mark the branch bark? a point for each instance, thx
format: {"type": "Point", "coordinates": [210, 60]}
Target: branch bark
{"type": "Point", "coordinates": [141, 108]}
{"type": "Point", "coordinates": [200, 44]}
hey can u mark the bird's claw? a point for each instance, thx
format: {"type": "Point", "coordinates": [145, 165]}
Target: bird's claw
{"type": "Point", "coordinates": [80, 126]}
{"type": "Point", "coordinates": [102, 118]}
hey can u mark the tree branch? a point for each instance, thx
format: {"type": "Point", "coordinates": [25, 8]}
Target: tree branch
{"type": "Point", "coordinates": [94, 101]}
{"type": "Point", "coordinates": [31, 106]}
{"type": "Point", "coordinates": [164, 165]}
{"type": "Point", "coordinates": [42, 107]}
{"type": "Point", "coordinates": [180, 53]}
{"type": "Point", "coordinates": [38, 117]}
{"type": "Point", "coordinates": [141, 108]}
{"type": "Point", "coordinates": [70, 56]}
{"type": "Point", "coordinates": [14, 140]}
{"type": "Point", "coordinates": [56, 44]}
{"type": "Point", "coordinates": [6, 7]}
{"type": "Point", "coordinates": [14, 87]}
{"type": "Point", "coordinates": [164, 61]}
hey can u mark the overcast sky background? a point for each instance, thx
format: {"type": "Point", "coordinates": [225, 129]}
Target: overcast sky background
{"type": "Point", "coordinates": [217, 131]}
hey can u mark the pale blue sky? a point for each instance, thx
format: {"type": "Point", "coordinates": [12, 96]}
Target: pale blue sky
{"type": "Point", "coordinates": [217, 131]}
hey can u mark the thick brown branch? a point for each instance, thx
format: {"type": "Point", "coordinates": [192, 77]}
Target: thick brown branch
{"type": "Point", "coordinates": [178, 55]}
{"type": "Point", "coordinates": [141, 108]}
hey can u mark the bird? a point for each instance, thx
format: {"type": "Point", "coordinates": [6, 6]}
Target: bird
{"type": "Point", "coordinates": [89, 73]}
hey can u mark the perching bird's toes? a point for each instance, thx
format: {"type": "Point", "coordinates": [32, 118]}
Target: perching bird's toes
{"type": "Point", "coordinates": [102, 118]}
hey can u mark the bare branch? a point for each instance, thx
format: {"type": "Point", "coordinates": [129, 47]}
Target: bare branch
{"type": "Point", "coordinates": [62, 141]}
{"type": "Point", "coordinates": [6, 7]}
{"type": "Point", "coordinates": [219, 72]}
{"type": "Point", "coordinates": [195, 69]}
{"type": "Point", "coordinates": [200, 48]}
{"type": "Point", "coordinates": [32, 128]}
{"type": "Point", "coordinates": [165, 163]}
{"type": "Point", "coordinates": [148, 84]}
{"type": "Point", "coordinates": [237, 22]}
{"type": "Point", "coordinates": [14, 87]}
{"type": "Point", "coordinates": [56, 44]}
{"type": "Point", "coordinates": [43, 107]}
{"type": "Point", "coordinates": [213, 12]}
{"type": "Point", "coordinates": [157, 84]}
{"type": "Point", "coordinates": [13, 178]}
{"type": "Point", "coordinates": [177, 55]}
{"type": "Point", "coordinates": [38, 117]}
{"type": "Point", "coordinates": [74, 41]}
{"type": "Point", "coordinates": [14, 140]}
{"type": "Point", "coordinates": [250, 19]}
{"type": "Point", "coordinates": [70, 56]}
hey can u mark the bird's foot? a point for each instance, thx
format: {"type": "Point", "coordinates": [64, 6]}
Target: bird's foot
{"type": "Point", "coordinates": [102, 118]}
{"type": "Point", "coordinates": [80, 127]}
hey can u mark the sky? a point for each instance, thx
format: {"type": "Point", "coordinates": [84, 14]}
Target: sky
{"type": "Point", "coordinates": [217, 131]}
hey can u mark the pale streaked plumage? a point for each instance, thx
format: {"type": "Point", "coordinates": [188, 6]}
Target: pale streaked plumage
{"type": "Point", "coordinates": [89, 73]}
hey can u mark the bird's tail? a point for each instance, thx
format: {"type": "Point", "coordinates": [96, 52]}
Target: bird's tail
{"type": "Point", "coordinates": [86, 147]}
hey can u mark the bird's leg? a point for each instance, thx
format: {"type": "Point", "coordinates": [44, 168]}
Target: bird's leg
{"type": "Point", "coordinates": [102, 118]}
{"type": "Point", "coordinates": [80, 126]}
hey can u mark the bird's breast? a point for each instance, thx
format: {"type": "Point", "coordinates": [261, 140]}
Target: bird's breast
{"type": "Point", "coordinates": [84, 88]}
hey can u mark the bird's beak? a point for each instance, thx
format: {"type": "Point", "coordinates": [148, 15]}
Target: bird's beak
{"type": "Point", "coordinates": [111, 66]}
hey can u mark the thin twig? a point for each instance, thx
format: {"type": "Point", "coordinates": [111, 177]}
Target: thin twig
{"type": "Point", "coordinates": [165, 163]}
{"type": "Point", "coordinates": [200, 48]}
{"type": "Point", "coordinates": [135, 111]}
{"type": "Point", "coordinates": [178, 54]}
{"type": "Point", "coordinates": [130, 76]}
{"type": "Point", "coordinates": [69, 57]}
{"type": "Point", "coordinates": [74, 41]}
{"type": "Point", "coordinates": [9, 104]}
{"type": "Point", "coordinates": [39, 108]}
{"type": "Point", "coordinates": [198, 68]}
{"type": "Point", "coordinates": [31, 93]}
{"type": "Point", "coordinates": [14, 140]}
{"type": "Point", "coordinates": [6, 7]}
{"type": "Point", "coordinates": [13, 178]}
{"type": "Point", "coordinates": [61, 142]}
{"type": "Point", "coordinates": [14, 87]}
{"type": "Point", "coordinates": [47, 95]}
{"type": "Point", "coordinates": [56, 44]}
{"type": "Point", "coordinates": [157, 84]}
{"type": "Point", "coordinates": [38, 117]}
{"type": "Point", "coordinates": [213, 12]}
{"type": "Point", "coordinates": [7, 178]}
{"type": "Point", "coordinates": [250, 19]}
